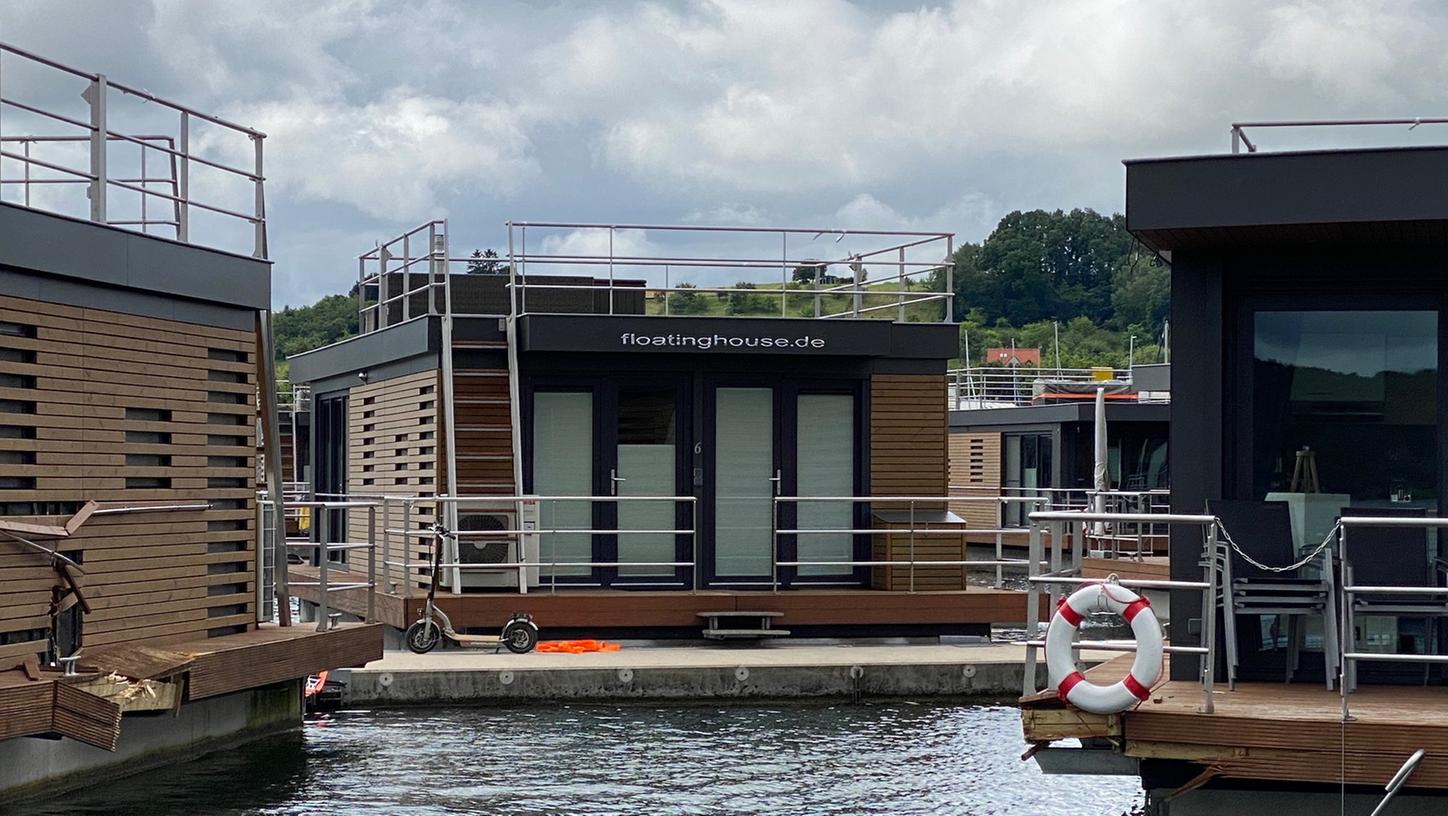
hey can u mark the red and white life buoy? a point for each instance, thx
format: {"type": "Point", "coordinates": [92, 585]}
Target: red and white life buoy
{"type": "Point", "coordinates": [1074, 688]}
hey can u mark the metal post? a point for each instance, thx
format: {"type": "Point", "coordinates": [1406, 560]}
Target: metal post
{"type": "Point", "coordinates": [261, 550]}
{"type": "Point", "coordinates": [901, 287]}
{"type": "Point", "coordinates": [1236, 139]}
{"type": "Point", "coordinates": [912, 545]}
{"type": "Point", "coordinates": [324, 532]}
{"type": "Point", "coordinates": [1033, 606]}
{"type": "Point", "coordinates": [183, 171]}
{"type": "Point", "coordinates": [407, 550]}
{"type": "Point", "coordinates": [774, 541]}
{"type": "Point", "coordinates": [387, 546]}
{"type": "Point", "coordinates": [783, 274]}
{"type": "Point", "coordinates": [950, 278]}
{"type": "Point", "coordinates": [260, 205]}
{"type": "Point", "coordinates": [610, 270]}
{"type": "Point", "coordinates": [371, 563]}
{"type": "Point", "coordinates": [1209, 623]}
{"type": "Point", "coordinates": [25, 148]}
{"type": "Point", "coordinates": [96, 95]}
{"type": "Point", "coordinates": [145, 199]}
{"type": "Point", "coordinates": [1348, 642]}
{"type": "Point", "coordinates": [272, 453]}
{"type": "Point", "coordinates": [694, 540]}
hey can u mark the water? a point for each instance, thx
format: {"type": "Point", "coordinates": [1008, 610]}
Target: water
{"type": "Point", "coordinates": [875, 758]}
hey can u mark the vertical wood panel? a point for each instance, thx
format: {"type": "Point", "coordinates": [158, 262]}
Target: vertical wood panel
{"type": "Point", "coordinates": [975, 470]}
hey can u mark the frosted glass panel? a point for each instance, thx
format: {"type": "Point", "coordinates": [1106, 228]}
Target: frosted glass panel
{"type": "Point", "coordinates": [743, 492]}
{"type": "Point", "coordinates": [563, 466]}
{"type": "Point", "coordinates": [826, 467]}
{"type": "Point", "coordinates": [650, 472]}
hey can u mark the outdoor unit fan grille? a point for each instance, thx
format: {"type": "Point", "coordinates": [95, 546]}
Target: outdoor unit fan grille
{"type": "Point", "coordinates": [483, 549]}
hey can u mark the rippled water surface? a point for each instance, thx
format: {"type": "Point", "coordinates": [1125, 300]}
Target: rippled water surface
{"type": "Point", "coordinates": [877, 758]}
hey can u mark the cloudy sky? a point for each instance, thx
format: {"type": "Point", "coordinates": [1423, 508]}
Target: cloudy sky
{"type": "Point", "coordinates": [819, 113]}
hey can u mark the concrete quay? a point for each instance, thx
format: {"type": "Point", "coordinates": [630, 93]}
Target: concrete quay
{"type": "Point", "coordinates": [695, 672]}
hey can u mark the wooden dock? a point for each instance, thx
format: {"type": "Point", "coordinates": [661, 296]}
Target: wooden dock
{"type": "Point", "coordinates": [1266, 731]}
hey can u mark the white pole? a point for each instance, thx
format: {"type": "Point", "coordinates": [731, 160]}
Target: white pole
{"type": "Point", "coordinates": [1099, 470]}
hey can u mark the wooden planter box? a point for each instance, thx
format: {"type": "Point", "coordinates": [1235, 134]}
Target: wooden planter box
{"type": "Point", "coordinates": [931, 546]}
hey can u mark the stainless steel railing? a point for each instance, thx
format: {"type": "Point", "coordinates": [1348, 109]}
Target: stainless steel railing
{"type": "Point", "coordinates": [98, 179]}
{"type": "Point", "coordinates": [1072, 525]}
{"type": "Point", "coordinates": [326, 553]}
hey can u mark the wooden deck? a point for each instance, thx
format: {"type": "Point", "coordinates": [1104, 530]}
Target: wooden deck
{"type": "Point", "coordinates": [1151, 568]}
{"type": "Point", "coordinates": [623, 609]}
{"type": "Point", "coordinates": [1268, 731]}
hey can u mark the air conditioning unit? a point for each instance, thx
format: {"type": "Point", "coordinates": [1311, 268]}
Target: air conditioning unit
{"type": "Point", "coordinates": [479, 551]}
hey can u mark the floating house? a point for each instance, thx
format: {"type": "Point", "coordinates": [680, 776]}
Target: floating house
{"type": "Point", "coordinates": [136, 608]}
{"type": "Point", "coordinates": [1306, 436]}
{"type": "Point", "coordinates": [714, 423]}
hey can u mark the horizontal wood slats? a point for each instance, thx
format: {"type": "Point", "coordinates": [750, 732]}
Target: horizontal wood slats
{"type": "Point", "coordinates": [483, 414]}
{"type": "Point", "coordinates": [394, 448]}
{"type": "Point", "coordinates": [907, 436]}
{"type": "Point", "coordinates": [273, 654]}
{"type": "Point", "coordinates": [975, 470]}
{"type": "Point", "coordinates": [123, 409]}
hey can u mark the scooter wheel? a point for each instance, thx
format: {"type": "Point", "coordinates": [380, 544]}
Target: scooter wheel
{"type": "Point", "coordinates": [422, 637]}
{"type": "Point", "coordinates": [520, 636]}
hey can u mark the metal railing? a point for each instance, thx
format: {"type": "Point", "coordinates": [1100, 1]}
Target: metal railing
{"type": "Point", "coordinates": [1348, 592]}
{"type": "Point", "coordinates": [1239, 129]}
{"type": "Point", "coordinates": [901, 275]}
{"type": "Point", "coordinates": [978, 387]}
{"type": "Point", "coordinates": [1120, 539]}
{"type": "Point", "coordinates": [325, 553]}
{"type": "Point", "coordinates": [915, 525]}
{"type": "Point", "coordinates": [174, 151]}
{"type": "Point", "coordinates": [410, 520]}
{"type": "Point", "coordinates": [1071, 526]}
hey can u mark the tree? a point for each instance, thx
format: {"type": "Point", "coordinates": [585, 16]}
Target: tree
{"type": "Point", "coordinates": [485, 262]}
{"type": "Point", "coordinates": [809, 273]}
{"type": "Point", "coordinates": [299, 329]}
{"type": "Point", "coordinates": [742, 302]}
{"type": "Point", "coordinates": [687, 303]}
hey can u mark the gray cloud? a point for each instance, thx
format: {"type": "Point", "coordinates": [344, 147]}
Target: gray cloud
{"type": "Point", "coordinates": [818, 112]}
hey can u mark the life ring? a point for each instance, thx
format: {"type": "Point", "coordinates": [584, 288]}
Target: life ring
{"type": "Point", "coordinates": [1071, 686]}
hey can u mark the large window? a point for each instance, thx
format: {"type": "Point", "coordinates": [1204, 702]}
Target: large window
{"type": "Point", "coordinates": [1345, 403]}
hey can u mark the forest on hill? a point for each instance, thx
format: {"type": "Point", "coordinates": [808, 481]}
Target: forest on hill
{"type": "Point", "coordinates": [1078, 276]}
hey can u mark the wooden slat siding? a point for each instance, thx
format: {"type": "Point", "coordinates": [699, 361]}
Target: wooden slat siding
{"type": "Point", "coordinates": [907, 436]}
{"type": "Point", "coordinates": [484, 432]}
{"type": "Point", "coordinates": [898, 547]}
{"type": "Point", "coordinates": [908, 423]}
{"type": "Point", "coordinates": [394, 448]}
{"type": "Point", "coordinates": [975, 470]}
{"type": "Point", "coordinates": [147, 575]}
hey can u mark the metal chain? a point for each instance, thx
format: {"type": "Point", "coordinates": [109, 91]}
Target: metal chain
{"type": "Point", "coordinates": [1305, 560]}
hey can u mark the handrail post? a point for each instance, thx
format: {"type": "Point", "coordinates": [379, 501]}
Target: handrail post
{"type": "Point", "coordinates": [324, 532]}
{"type": "Point", "coordinates": [387, 545]}
{"type": "Point", "coordinates": [1209, 623]}
{"type": "Point", "coordinates": [183, 183]}
{"type": "Point", "coordinates": [407, 548]}
{"type": "Point", "coordinates": [371, 563]}
{"type": "Point", "coordinates": [950, 281]}
{"type": "Point", "coordinates": [1348, 642]}
{"type": "Point", "coordinates": [1033, 606]}
{"type": "Point", "coordinates": [96, 95]}
{"type": "Point", "coordinates": [774, 544]}
{"type": "Point", "coordinates": [259, 206]}
{"type": "Point", "coordinates": [912, 543]}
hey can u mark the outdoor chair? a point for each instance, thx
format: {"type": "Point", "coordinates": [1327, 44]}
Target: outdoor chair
{"type": "Point", "coordinates": [1393, 557]}
{"type": "Point", "coordinates": [1263, 530]}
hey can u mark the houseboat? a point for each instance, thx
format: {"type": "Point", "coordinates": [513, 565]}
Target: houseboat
{"type": "Point", "coordinates": [137, 611]}
{"type": "Point", "coordinates": [715, 428]}
{"type": "Point", "coordinates": [1304, 664]}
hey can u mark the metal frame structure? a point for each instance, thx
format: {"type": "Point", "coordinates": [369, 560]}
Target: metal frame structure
{"type": "Point", "coordinates": [97, 177]}
{"type": "Point", "coordinates": [974, 387]}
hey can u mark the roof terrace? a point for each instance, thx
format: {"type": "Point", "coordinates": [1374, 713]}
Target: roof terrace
{"type": "Point", "coordinates": [650, 269]}
{"type": "Point", "coordinates": [79, 144]}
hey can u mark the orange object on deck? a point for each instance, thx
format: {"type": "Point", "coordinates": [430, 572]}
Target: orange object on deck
{"type": "Point", "coordinates": [577, 646]}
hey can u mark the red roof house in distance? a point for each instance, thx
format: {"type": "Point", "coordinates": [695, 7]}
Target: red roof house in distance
{"type": "Point", "coordinates": [1013, 357]}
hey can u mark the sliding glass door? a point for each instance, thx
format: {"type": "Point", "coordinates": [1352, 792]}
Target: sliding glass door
{"type": "Point", "coordinates": [745, 481]}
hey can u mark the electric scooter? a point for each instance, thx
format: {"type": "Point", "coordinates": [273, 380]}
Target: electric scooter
{"type": "Point", "coordinates": [519, 634]}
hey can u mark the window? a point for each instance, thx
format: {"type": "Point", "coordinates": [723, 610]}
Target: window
{"type": "Point", "coordinates": [1346, 403]}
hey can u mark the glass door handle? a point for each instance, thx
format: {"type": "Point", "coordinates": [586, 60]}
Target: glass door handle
{"type": "Point", "coordinates": [613, 480]}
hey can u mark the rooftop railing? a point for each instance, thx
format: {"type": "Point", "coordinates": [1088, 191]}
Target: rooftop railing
{"type": "Point", "coordinates": [978, 387]}
{"type": "Point", "coordinates": [649, 269]}
{"type": "Point", "coordinates": [1240, 139]}
{"type": "Point", "coordinates": [81, 164]}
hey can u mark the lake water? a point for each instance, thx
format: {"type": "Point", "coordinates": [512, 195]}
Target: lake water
{"type": "Point", "coordinates": [875, 758]}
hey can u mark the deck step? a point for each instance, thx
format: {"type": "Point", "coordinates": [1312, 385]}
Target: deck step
{"type": "Point", "coordinates": [733, 613]}
{"type": "Point", "coordinates": [721, 634]}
